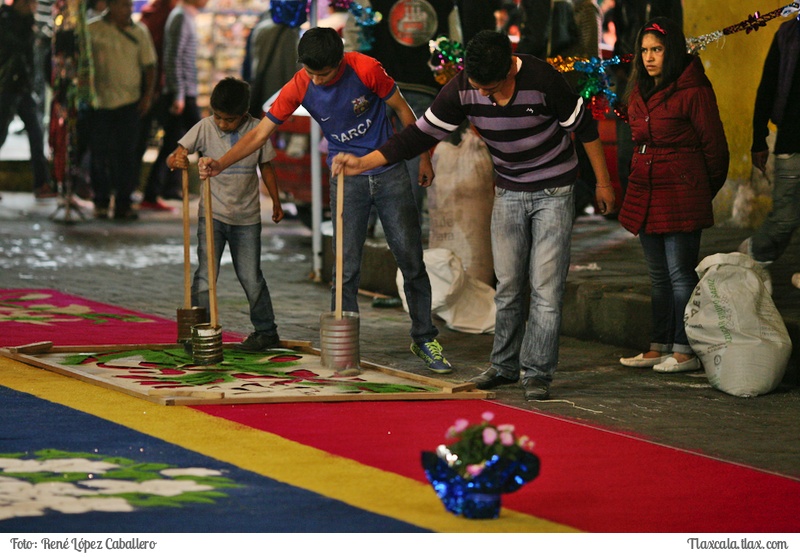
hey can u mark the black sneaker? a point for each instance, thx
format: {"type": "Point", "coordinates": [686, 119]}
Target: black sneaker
{"type": "Point", "coordinates": [125, 214]}
{"type": "Point", "coordinates": [536, 389]}
{"type": "Point", "coordinates": [259, 342]}
{"type": "Point", "coordinates": [490, 379]}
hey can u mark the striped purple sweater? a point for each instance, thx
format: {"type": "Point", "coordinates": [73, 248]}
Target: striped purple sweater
{"type": "Point", "coordinates": [180, 53]}
{"type": "Point", "coordinates": [529, 138]}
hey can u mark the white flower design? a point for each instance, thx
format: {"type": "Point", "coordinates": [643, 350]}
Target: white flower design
{"type": "Point", "coordinates": [58, 465]}
{"type": "Point", "coordinates": [172, 472]}
{"type": "Point", "coordinates": [25, 491]}
{"type": "Point", "coordinates": [19, 498]}
{"type": "Point", "coordinates": [165, 488]}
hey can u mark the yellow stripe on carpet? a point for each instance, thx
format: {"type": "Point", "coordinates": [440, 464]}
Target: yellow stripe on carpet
{"type": "Point", "coordinates": [267, 454]}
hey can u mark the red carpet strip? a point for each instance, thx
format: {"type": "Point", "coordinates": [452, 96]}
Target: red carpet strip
{"type": "Point", "coordinates": [591, 479]}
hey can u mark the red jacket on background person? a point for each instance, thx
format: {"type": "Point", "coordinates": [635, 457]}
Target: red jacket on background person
{"type": "Point", "coordinates": [681, 156]}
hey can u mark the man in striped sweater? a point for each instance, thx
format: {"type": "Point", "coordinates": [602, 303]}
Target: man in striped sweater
{"type": "Point", "coordinates": [526, 114]}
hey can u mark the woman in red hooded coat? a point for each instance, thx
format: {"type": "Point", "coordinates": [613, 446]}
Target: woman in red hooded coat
{"type": "Point", "coordinates": [679, 163]}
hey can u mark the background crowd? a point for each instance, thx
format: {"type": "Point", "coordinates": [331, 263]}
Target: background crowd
{"type": "Point", "coordinates": [672, 152]}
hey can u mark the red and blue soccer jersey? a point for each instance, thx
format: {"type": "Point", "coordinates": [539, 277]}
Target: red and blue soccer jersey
{"type": "Point", "coordinates": [350, 109]}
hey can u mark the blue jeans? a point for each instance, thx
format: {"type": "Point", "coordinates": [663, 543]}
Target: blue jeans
{"type": "Point", "coordinates": [671, 260]}
{"type": "Point", "coordinates": [390, 194]}
{"type": "Point", "coordinates": [531, 237]}
{"type": "Point", "coordinates": [24, 105]}
{"type": "Point", "coordinates": [775, 234]}
{"type": "Point", "coordinates": [245, 244]}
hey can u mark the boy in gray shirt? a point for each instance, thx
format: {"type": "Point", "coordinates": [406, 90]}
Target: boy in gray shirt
{"type": "Point", "coordinates": [235, 205]}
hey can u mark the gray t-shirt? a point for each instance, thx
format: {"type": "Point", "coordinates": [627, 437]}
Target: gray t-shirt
{"type": "Point", "coordinates": [234, 192]}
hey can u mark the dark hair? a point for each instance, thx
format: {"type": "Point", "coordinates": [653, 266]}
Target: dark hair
{"type": "Point", "coordinates": [488, 57]}
{"type": "Point", "coordinates": [320, 48]}
{"type": "Point", "coordinates": [231, 96]}
{"type": "Point", "coordinates": [676, 57]}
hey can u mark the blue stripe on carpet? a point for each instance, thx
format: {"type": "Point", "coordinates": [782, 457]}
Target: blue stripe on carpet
{"type": "Point", "coordinates": [255, 504]}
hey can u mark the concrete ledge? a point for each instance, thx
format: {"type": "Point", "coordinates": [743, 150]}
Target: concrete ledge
{"type": "Point", "coordinates": [592, 312]}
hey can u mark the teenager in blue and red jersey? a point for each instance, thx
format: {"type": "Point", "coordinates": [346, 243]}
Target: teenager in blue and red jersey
{"type": "Point", "coordinates": [348, 94]}
{"type": "Point", "coordinates": [525, 112]}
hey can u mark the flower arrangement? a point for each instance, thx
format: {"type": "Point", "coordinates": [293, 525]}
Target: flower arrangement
{"type": "Point", "coordinates": [482, 462]}
{"type": "Point", "coordinates": [475, 445]}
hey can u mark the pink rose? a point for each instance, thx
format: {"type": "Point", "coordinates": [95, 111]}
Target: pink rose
{"type": "Point", "coordinates": [461, 425]}
{"type": "Point", "coordinates": [474, 469]}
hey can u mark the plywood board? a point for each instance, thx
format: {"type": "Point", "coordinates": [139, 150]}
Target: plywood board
{"type": "Point", "coordinates": [165, 374]}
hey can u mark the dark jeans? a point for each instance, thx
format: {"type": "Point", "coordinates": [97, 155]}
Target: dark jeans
{"type": "Point", "coordinates": [25, 106]}
{"type": "Point", "coordinates": [390, 194]}
{"type": "Point", "coordinates": [113, 160]}
{"type": "Point", "coordinates": [161, 182]}
{"type": "Point", "coordinates": [671, 260]}
{"type": "Point", "coordinates": [154, 117]}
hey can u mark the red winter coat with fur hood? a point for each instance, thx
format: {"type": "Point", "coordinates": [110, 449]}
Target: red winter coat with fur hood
{"type": "Point", "coordinates": [681, 157]}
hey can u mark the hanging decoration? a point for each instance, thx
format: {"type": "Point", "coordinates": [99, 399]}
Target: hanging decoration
{"type": "Point", "coordinates": [596, 85]}
{"type": "Point", "coordinates": [292, 13]}
{"type": "Point", "coordinates": [365, 17]}
{"type": "Point", "coordinates": [447, 59]}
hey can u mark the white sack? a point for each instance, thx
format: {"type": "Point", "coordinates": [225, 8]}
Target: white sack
{"type": "Point", "coordinates": [463, 302]}
{"type": "Point", "coordinates": [734, 327]}
{"type": "Point", "coordinates": [460, 204]}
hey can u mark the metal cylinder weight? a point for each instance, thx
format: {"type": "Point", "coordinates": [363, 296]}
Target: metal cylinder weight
{"type": "Point", "coordinates": [339, 341]}
{"type": "Point", "coordinates": [187, 318]}
{"type": "Point", "coordinates": [206, 344]}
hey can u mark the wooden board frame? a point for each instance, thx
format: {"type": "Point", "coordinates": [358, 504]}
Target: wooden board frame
{"type": "Point", "coordinates": [32, 354]}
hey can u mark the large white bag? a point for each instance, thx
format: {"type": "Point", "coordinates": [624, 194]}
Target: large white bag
{"type": "Point", "coordinates": [463, 302]}
{"type": "Point", "coordinates": [734, 327]}
{"type": "Point", "coordinates": [460, 204]}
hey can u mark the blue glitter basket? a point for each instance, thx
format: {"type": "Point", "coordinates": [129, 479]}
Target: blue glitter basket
{"type": "Point", "coordinates": [479, 497]}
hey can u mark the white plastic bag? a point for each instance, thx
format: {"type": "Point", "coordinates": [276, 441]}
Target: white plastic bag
{"type": "Point", "coordinates": [463, 302]}
{"type": "Point", "coordinates": [734, 327]}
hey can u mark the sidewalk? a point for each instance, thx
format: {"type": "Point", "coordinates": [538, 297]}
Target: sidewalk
{"type": "Point", "coordinates": [139, 265]}
{"type": "Point", "coordinates": [611, 304]}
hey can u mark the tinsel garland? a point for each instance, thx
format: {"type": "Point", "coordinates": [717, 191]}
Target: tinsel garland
{"type": "Point", "coordinates": [365, 18]}
{"type": "Point", "coordinates": [596, 85]}
{"type": "Point", "coordinates": [754, 22]}
{"type": "Point", "coordinates": [447, 59]}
